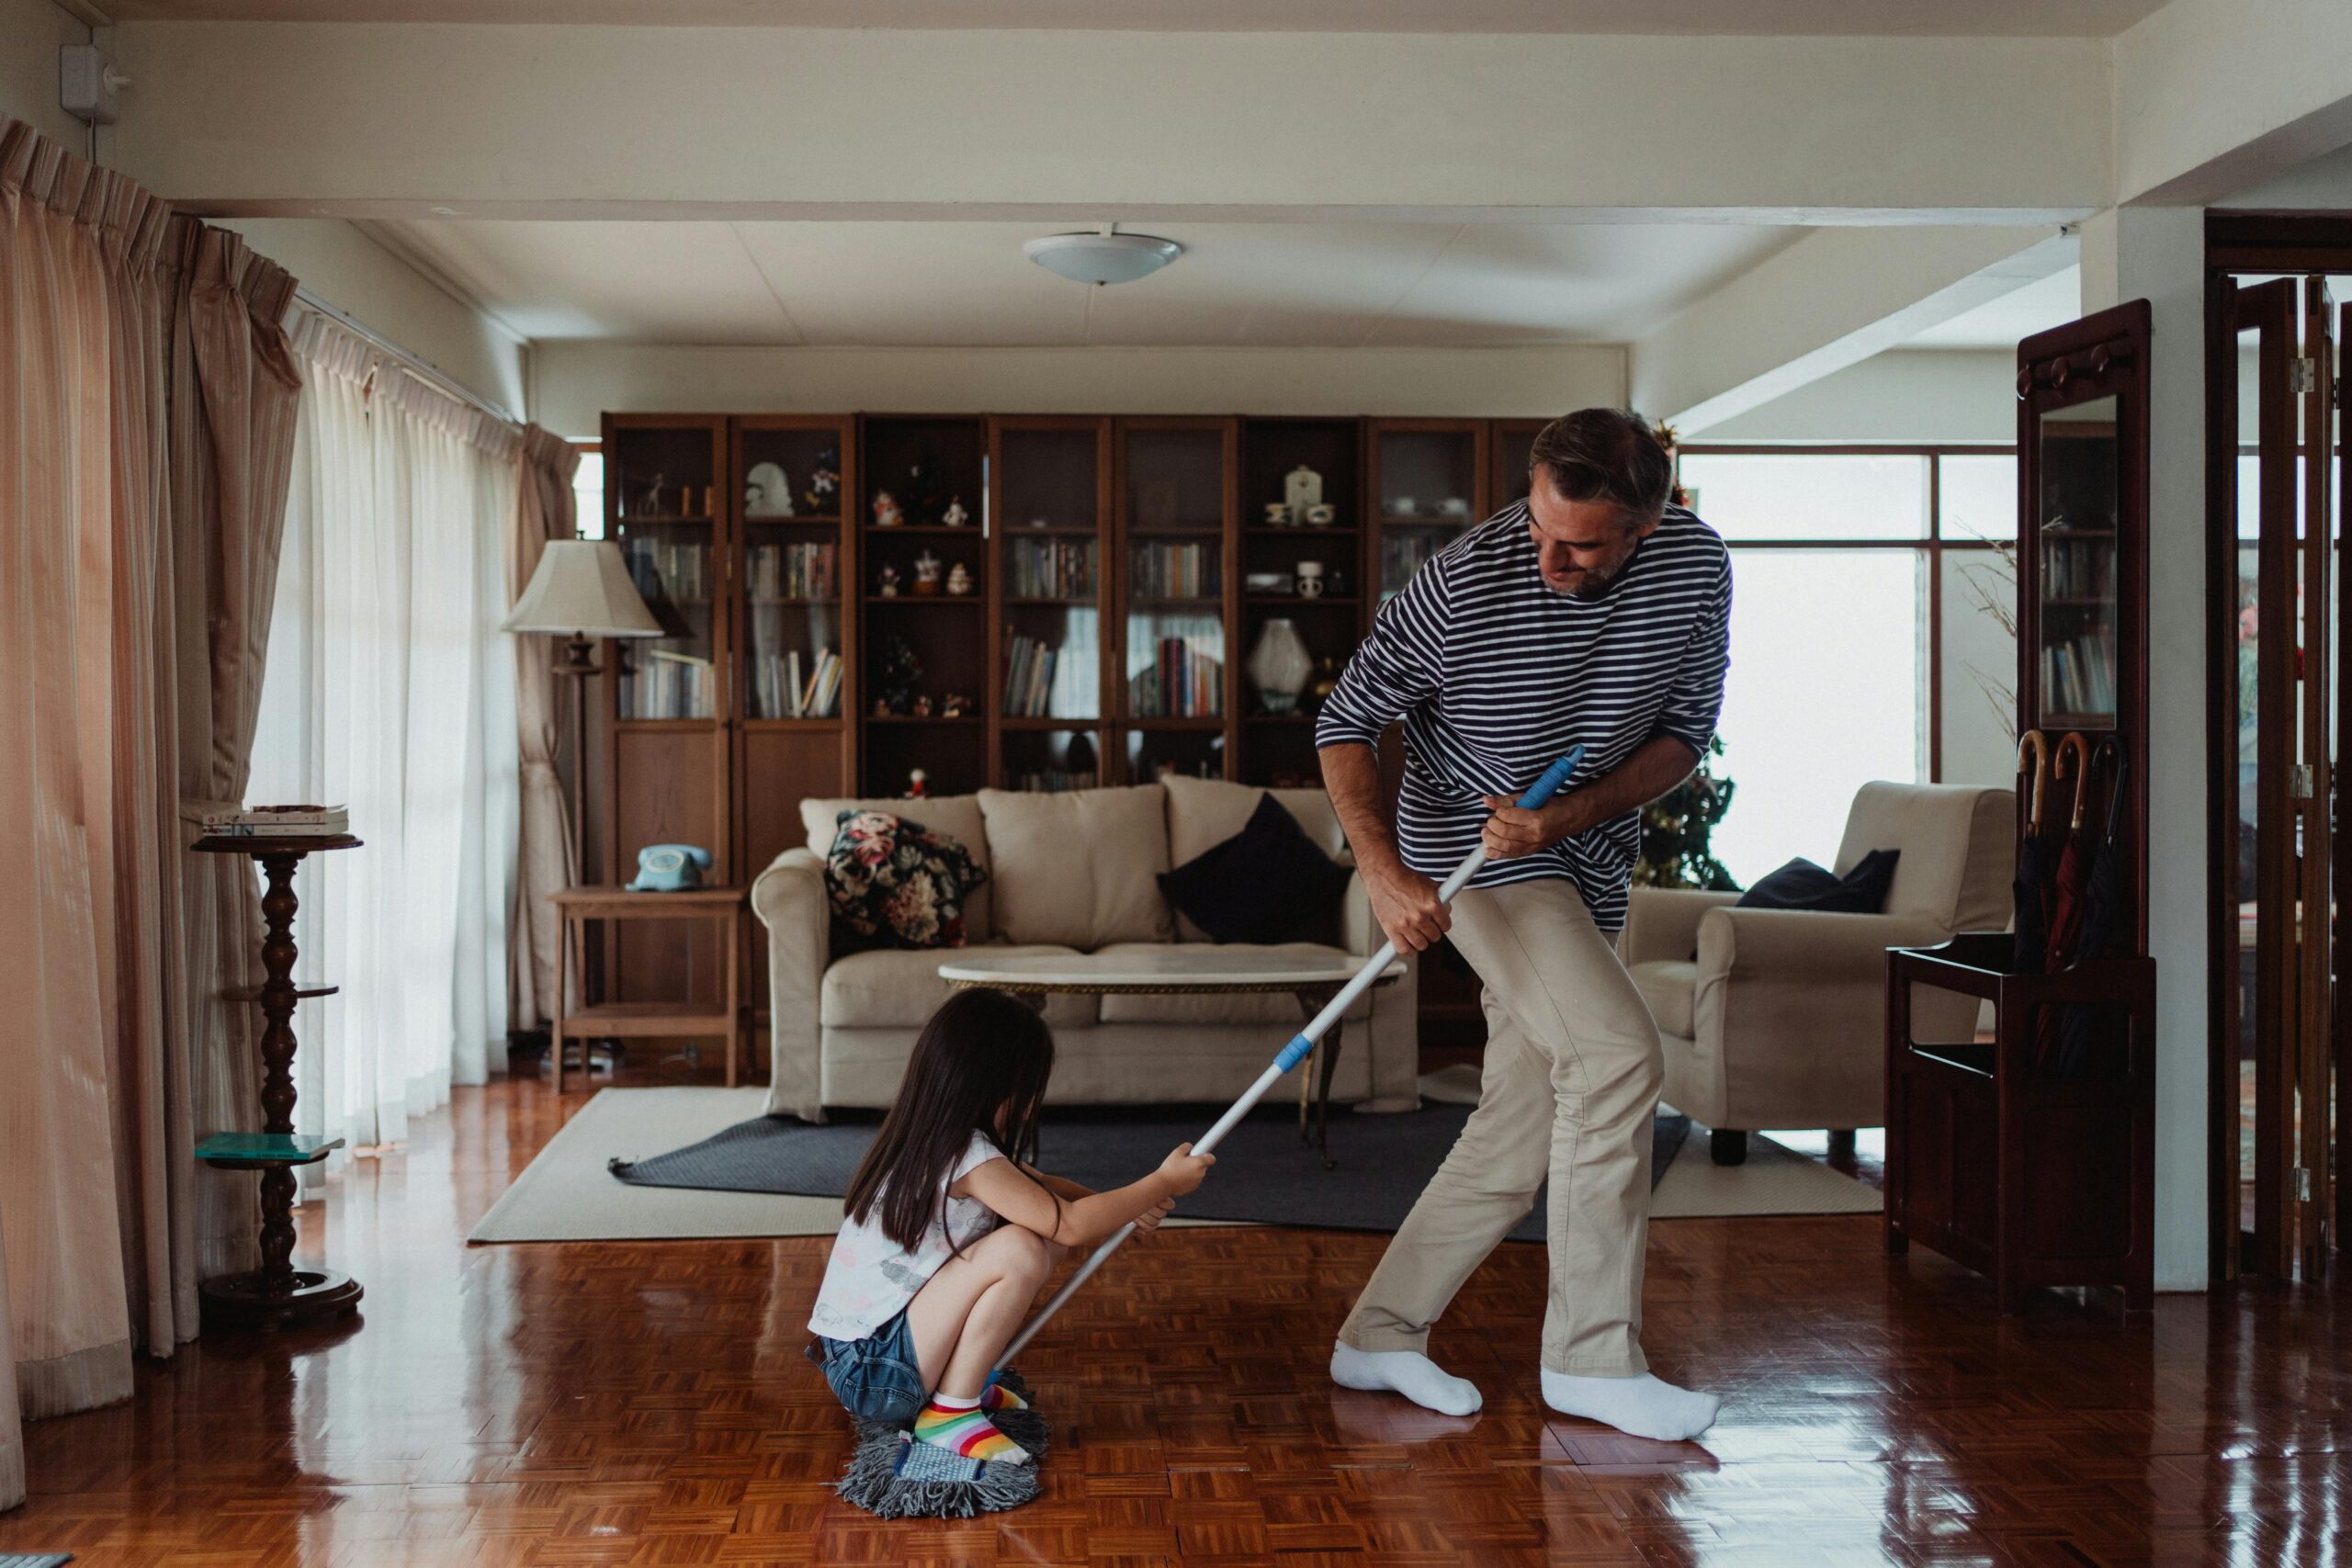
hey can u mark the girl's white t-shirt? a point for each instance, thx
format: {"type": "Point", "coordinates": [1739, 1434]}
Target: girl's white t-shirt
{"type": "Point", "coordinates": [869, 1279]}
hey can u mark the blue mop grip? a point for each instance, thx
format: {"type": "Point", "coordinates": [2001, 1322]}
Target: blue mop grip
{"type": "Point", "coordinates": [1544, 788]}
{"type": "Point", "coordinates": [1294, 1053]}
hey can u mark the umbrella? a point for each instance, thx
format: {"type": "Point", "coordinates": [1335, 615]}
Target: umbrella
{"type": "Point", "coordinates": [2032, 931]}
{"type": "Point", "coordinates": [2063, 897]}
{"type": "Point", "coordinates": [2103, 907]}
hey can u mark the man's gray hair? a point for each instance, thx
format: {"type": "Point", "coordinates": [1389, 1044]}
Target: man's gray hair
{"type": "Point", "coordinates": [1604, 454]}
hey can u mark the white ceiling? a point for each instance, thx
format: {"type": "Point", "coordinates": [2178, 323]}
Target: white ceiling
{"type": "Point", "coordinates": [1925, 19]}
{"type": "Point", "coordinates": [948, 284]}
{"type": "Point", "coordinates": [2051, 301]}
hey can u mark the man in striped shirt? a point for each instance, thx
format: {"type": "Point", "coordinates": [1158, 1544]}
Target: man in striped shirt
{"type": "Point", "coordinates": [1592, 614]}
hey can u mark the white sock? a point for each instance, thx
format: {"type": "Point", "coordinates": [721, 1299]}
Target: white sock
{"type": "Point", "coordinates": [1640, 1405]}
{"type": "Point", "coordinates": [949, 1401]}
{"type": "Point", "coordinates": [1407, 1372]}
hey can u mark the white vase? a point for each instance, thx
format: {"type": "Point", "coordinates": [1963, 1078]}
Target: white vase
{"type": "Point", "coordinates": [1280, 665]}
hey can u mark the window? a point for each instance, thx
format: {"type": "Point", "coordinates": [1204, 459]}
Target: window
{"type": "Point", "coordinates": [1873, 631]}
{"type": "Point", "coordinates": [588, 491]}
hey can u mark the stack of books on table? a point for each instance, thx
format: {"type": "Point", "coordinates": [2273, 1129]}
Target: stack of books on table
{"type": "Point", "coordinates": [279, 822]}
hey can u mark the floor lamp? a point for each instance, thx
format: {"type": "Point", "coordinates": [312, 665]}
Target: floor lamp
{"type": "Point", "coordinates": [581, 591]}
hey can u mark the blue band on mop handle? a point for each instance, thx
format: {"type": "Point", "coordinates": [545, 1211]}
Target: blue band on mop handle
{"type": "Point", "coordinates": [1294, 1053]}
{"type": "Point", "coordinates": [1556, 776]}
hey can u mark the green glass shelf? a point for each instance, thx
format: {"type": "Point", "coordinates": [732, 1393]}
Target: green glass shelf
{"type": "Point", "coordinates": [256, 1149]}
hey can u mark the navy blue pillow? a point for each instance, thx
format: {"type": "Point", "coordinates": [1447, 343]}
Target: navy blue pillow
{"type": "Point", "coordinates": [1801, 884]}
{"type": "Point", "coordinates": [1261, 885]}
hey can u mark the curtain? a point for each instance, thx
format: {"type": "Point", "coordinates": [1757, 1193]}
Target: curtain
{"type": "Point", "coordinates": [145, 404]}
{"type": "Point", "coordinates": [390, 691]}
{"type": "Point", "coordinates": [547, 862]}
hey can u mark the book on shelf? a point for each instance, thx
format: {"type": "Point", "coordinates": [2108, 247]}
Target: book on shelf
{"type": "Point", "coordinates": [277, 819]}
{"type": "Point", "coordinates": [1053, 569]}
{"type": "Point", "coordinates": [793, 571]}
{"type": "Point", "coordinates": [1181, 681]}
{"type": "Point", "coordinates": [2078, 675]}
{"type": "Point", "coordinates": [1162, 570]}
{"type": "Point", "coordinates": [787, 686]}
{"type": "Point", "coordinates": [663, 568]}
{"type": "Point", "coordinates": [1029, 677]}
{"type": "Point", "coordinates": [670, 684]}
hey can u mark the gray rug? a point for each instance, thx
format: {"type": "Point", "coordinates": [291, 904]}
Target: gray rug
{"type": "Point", "coordinates": [1264, 1174]}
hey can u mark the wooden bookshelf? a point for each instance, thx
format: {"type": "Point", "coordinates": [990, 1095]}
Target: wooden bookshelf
{"type": "Point", "coordinates": [1175, 591]}
{"type": "Point", "coordinates": [1049, 509]}
{"type": "Point", "coordinates": [927, 464]}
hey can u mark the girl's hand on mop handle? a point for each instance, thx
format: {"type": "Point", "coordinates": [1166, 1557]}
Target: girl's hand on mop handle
{"type": "Point", "coordinates": [1183, 1171]}
{"type": "Point", "coordinates": [1148, 1220]}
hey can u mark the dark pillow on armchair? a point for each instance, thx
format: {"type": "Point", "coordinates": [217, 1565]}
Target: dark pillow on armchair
{"type": "Point", "coordinates": [893, 882]}
{"type": "Point", "coordinates": [1261, 885]}
{"type": "Point", "coordinates": [1801, 884]}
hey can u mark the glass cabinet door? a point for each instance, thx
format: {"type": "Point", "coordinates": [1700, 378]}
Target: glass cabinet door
{"type": "Point", "coordinates": [662, 486]}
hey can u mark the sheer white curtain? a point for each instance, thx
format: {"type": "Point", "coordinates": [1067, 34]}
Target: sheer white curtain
{"type": "Point", "coordinates": [391, 691]}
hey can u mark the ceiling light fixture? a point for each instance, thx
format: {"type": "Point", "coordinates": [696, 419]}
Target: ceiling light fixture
{"type": "Point", "coordinates": [1107, 257]}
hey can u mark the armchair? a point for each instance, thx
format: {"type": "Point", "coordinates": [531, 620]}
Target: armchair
{"type": "Point", "coordinates": [1777, 1018]}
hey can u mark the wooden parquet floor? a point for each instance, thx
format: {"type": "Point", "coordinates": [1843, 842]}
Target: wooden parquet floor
{"type": "Point", "coordinates": [648, 1404]}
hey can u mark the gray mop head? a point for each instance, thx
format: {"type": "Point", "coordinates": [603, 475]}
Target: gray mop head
{"type": "Point", "coordinates": [892, 1476]}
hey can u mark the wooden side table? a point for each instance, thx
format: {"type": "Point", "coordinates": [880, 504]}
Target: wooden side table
{"type": "Point", "coordinates": [576, 905]}
{"type": "Point", "coordinates": [277, 1293]}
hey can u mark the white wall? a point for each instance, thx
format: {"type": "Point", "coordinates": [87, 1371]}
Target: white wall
{"type": "Point", "coordinates": [1925, 396]}
{"type": "Point", "coordinates": [31, 32]}
{"type": "Point", "coordinates": [572, 383]}
{"type": "Point", "coordinates": [341, 266]}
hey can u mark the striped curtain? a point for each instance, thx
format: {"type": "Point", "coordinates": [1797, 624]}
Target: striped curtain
{"type": "Point", "coordinates": [146, 414]}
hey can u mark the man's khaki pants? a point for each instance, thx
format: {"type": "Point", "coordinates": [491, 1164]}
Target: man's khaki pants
{"type": "Point", "coordinates": [1569, 1090]}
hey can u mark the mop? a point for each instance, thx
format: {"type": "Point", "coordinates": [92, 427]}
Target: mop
{"type": "Point", "coordinates": [894, 1477]}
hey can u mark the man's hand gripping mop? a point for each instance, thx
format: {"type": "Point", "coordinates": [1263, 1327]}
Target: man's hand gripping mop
{"type": "Point", "coordinates": [894, 1478]}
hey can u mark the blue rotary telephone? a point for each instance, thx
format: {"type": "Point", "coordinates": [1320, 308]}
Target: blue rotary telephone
{"type": "Point", "coordinates": [669, 868]}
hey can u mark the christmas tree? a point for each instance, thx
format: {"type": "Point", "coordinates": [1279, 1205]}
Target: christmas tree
{"type": "Point", "coordinates": [894, 679]}
{"type": "Point", "coordinates": [1676, 829]}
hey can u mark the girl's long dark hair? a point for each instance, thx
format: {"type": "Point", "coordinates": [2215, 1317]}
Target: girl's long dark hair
{"type": "Point", "coordinates": [982, 1053]}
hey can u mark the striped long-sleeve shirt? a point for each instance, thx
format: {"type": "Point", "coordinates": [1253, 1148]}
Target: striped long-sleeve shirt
{"type": "Point", "coordinates": [1495, 676]}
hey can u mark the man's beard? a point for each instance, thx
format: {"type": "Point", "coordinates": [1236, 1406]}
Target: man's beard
{"type": "Point", "coordinates": [1595, 582]}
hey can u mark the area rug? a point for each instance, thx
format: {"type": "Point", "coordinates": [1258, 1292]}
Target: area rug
{"type": "Point", "coordinates": [568, 1194]}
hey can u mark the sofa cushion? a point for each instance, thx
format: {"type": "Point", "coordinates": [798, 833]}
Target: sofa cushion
{"type": "Point", "coordinates": [899, 988]}
{"type": "Point", "coordinates": [1277, 1010]}
{"type": "Point", "coordinates": [1670, 986]}
{"type": "Point", "coordinates": [1801, 884]}
{"type": "Point", "coordinates": [957, 815]}
{"type": "Point", "coordinates": [897, 883]}
{"type": "Point", "coordinates": [1265, 883]}
{"type": "Point", "coordinates": [1081, 868]}
{"type": "Point", "coordinates": [1205, 813]}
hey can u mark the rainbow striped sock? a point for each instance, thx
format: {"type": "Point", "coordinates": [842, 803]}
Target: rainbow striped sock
{"type": "Point", "coordinates": [959, 1427]}
{"type": "Point", "coordinates": [998, 1397]}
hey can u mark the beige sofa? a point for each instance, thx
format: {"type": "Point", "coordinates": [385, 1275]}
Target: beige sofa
{"type": "Point", "coordinates": [1068, 873]}
{"type": "Point", "coordinates": [1779, 1019]}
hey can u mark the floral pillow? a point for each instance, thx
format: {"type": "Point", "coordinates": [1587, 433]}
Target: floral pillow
{"type": "Point", "coordinates": [897, 883]}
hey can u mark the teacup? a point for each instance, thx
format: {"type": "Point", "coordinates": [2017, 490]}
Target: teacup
{"type": "Point", "coordinates": [1322, 514]}
{"type": "Point", "coordinates": [1403, 505]}
{"type": "Point", "coordinates": [1310, 580]}
{"type": "Point", "coordinates": [1454, 506]}
{"type": "Point", "coordinates": [1278, 514]}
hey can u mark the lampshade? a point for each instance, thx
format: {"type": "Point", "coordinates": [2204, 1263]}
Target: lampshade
{"type": "Point", "coordinates": [1103, 258]}
{"type": "Point", "coordinates": [582, 587]}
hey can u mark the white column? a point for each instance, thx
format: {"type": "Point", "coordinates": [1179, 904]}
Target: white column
{"type": "Point", "coordinates": [2158, 253]}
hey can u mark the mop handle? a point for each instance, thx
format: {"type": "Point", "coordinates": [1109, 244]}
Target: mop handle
{"type": "Point", "coordinates": [1294, 1053]}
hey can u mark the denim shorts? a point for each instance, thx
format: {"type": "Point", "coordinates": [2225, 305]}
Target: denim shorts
{"type": "Point", "coordinates": [876, 1378]}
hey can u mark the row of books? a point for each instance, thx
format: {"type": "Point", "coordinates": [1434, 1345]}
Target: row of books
{"type": "Point", "coordinates": [1053, 569]}
{"type": "Point", "coordinates": [786, 686]}
{"type": "Point", "coordinates": [793, 571]}
{"type": "Point", "coordinates": [1402, 555]}
{"type": "Point", "coordinates": [1053, 782]}
{"type": "Point", "coordinates": [1029, 677]}
{"type": "Point", "coordinates": [663, 570]}
{"type": "Point", "coordinates": [664, 683]}
{"type": "Point", "coordinates": [1181, 683]}
{"type": "Point", "coordinates": [1173, 571]}
{"type": "Point", "coordinates": [2078, 676]}
{"type": "Point", "coordinates": [2077, 568]}
{"type": "Point", "coordinates": [279, 822]}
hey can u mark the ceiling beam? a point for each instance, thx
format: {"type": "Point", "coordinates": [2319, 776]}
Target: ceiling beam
{"type": "Point", "coordinates": [2212, 97]}
{"type": "Point", "coordinates": [1832, 299]}
{"type": "Point", "coordinates": [379, 120]}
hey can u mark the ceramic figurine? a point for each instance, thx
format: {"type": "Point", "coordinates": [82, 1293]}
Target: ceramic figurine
{"type": "Point", "coordinates": [651, 505]}
{"type": "Point", "coordinates": [916, 780]}
{"type": "Point", "coordinates": [1301, 488]}
{"type": "Point", "coordinates": [886, 509]}
{"type": "Point", "coordinates": [954, 706]}
{"type": "Point", "coordinates": [959, 582]}
{"type": "Point", "coordinates": [1321, 516]}
{"type": "Point", "coordinates": [886, 583]}
{"type": "Point", "coordinates": [927, 574]}
{"type": "Point", "coordinates": [824, 483]}
{"type": "Point", "coordinates": [955, 516]}
{"type": "Point", "coordinates": [767, 492]}
{"type": "Point", "coordinates": [923, 708]}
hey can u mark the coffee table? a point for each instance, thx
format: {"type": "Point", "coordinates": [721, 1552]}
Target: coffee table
{"type": "Point", "coordinates": [1200, 970]}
